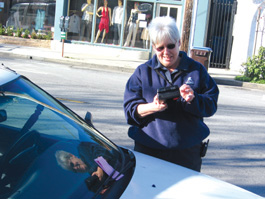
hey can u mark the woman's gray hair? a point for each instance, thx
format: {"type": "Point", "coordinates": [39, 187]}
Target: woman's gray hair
{"type": "Point", "coordinates": [163, 28]}
{"type": "Point", "coordinates": [63, 159]}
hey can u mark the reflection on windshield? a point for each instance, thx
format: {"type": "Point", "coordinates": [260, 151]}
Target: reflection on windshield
{"type": "Point", "coordinates": [35, 139]}
{"type": "Point", "coordinates": [94, 160]}
{"type": "Point", "coordinates": [24, 87]}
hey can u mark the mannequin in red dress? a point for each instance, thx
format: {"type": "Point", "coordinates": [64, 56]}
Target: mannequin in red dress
{"type": "Point", "coordinates": [105, 21]}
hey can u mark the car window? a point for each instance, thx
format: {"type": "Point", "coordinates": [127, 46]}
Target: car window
{"type": "Point", "coordinates": [27, 88]}
{"type": "Point", "coordinates": [24, 112]}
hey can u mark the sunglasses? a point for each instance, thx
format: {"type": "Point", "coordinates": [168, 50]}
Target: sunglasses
{"type": "Point", "coordinates": [169, 46]}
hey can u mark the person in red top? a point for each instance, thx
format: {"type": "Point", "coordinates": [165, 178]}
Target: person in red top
{"type": "Point", "coordinates": [105, 20]}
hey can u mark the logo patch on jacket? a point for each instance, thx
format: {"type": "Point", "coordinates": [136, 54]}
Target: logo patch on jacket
{"type": "Point", "coordinates": [189, 81]}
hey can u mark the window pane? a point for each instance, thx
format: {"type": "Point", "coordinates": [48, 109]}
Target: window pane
{"type": "Point", "coordinates": [81, 19]}
{"type": "Point", "coordinates": [136, 33]}
{"type": "Point", "coordinates": [173, 12]}
{"type": "Point", "coordinates": [163, 11]}
{"type": "Point", "coordinates": [38, 17]}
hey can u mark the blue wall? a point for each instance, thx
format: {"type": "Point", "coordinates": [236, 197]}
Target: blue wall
{"type": "Point", "coordinates": [200, 28]}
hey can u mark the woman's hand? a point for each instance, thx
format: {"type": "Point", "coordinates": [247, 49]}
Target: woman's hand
{"type": "Point", "coordinates": [99, 172]}
{"type": "Point", "coordinates": [160, 105]}
{"type": "Point", "coordinates": [150, 108]}
{"type": "Point", "coordinates": [186, 93]}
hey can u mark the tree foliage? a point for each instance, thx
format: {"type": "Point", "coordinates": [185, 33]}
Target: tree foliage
{"type": "Point", "coordinates": [254, 68]}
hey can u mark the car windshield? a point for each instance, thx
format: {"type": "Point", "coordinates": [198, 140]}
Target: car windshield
{"type": "Point", "coordinates": [41, 142]}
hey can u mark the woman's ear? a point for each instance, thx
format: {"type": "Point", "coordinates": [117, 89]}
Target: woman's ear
{"type": "Point", "coordinates": [154, 48]}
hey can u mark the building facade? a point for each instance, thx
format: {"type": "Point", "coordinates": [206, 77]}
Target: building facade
{"type": "Point", "coordinates": [122, 27]}
{"type": "Point", "coordinates": [119, 24]}
{"type": "Point", "coordinates": [248, 32]}
{"type": "Point", "coordinates": [117, 28]}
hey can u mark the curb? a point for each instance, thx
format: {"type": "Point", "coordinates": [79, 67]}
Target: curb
{"type": "Point", "coordinates": [230, 82]}
{"type": "Point", "coordinates": [77, 62]}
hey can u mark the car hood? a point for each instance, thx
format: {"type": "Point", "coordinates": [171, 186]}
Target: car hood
{"type": "Point", "coordinates": [7, 75]}
{"type": "Point", "coordinates": [155, 178]}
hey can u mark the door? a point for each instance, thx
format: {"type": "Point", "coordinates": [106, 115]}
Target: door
{"type": "Point", "coordinates": [220, 38]}
{"type": "Point", "coordinates": [170, 10]}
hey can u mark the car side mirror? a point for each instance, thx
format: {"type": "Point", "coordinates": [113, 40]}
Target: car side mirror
{"type": "Point", "coordinates": [3, 115]}
{"type": "Point", "coordinates": [88, 119]}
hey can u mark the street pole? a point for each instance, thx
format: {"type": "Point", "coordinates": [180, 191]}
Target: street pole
{"type": "Point", "coordinates": [62, 47]}
{"type": "Point", "coordinates": [63, 37]}
{"type": "Point", "coordinates": [257, 31]}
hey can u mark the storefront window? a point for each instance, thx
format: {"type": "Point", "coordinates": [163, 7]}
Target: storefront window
{"type": "Point", "coordinates": [139, 16]}
{"type": "Point", "coordinates": [34, 16]}
{"type": "Point", "coordinates": [109, 22]}
{"type": "Point", "coordinates": [81, 18]}
{"type": "Point", "coordinates": [109, 18]}
{"type": "Point", "coordinates": [116, 22]}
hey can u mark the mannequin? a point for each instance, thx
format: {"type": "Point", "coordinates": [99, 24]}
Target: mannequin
{"type": "Point", "coordinates": [16, 19]}
{"type": "Point", "coordinates": [86, 23]}
{"type": "Point", "coordinates": [105, 21]}
{"type": "Point", "coordinates": [133, 23]}
{"type": "Point", "coordinates": [117, 21]}
{"type": "Point", "coordinates": [145, 33]}
{"type": "Point", "coordinates": [145, 38]}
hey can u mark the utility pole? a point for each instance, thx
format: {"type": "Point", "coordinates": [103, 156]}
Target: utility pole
{"type": "Point", "coordinates": [186, 26]}
{"type": "Point", "coordinates": [257, 30]}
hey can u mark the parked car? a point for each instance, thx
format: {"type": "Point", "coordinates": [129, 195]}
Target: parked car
{"type": "Point", "coordinates": [48, 151]}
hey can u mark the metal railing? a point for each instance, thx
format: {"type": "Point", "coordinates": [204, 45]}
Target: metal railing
{"type": "Point", "coordinates": [219, 37]}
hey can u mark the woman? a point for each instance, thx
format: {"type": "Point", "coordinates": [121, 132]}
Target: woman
{"type": "Point", "coordinates": [171, 129]}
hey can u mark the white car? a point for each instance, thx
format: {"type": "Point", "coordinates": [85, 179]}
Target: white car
{"type": "Point", "coordinates": [48, 151]}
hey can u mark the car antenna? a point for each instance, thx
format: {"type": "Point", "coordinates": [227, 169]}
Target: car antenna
{"type": "Point", "coordinates": [7, 68]}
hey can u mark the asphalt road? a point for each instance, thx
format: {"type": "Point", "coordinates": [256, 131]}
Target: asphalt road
{"type": "Point", "coordinates": [236, 151]}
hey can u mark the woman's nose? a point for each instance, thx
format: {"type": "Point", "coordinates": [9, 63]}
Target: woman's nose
{"type": "Point", "coordinates": [166, 50]}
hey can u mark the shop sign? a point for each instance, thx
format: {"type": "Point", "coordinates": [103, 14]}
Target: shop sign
{"type": "Point", "coordinates": [144, 7]}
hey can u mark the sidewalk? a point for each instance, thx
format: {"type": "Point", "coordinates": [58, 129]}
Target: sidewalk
{"type": "Point", "coordinates": [78, 59]}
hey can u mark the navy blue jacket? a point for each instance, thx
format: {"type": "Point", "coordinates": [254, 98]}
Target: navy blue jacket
{"type": "Point", "coordinates": [181, 124]}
